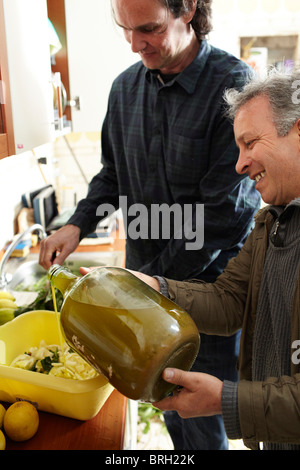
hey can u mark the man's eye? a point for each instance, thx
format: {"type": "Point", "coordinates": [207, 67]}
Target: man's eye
{"type": "Point", "coordinates": [148, 30]}
{"type": "Point", "coordinates": [251, 142]}
{"type": "Point", "coordinates": [151, 29]}
{"type": "Point", "coordinates": [155, 29]}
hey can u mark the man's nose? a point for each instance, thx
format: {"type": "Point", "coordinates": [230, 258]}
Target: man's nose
{"type": "Point", "coordinates": [136, 41]}
{"type": "Point", "coordinates": [243, 163]}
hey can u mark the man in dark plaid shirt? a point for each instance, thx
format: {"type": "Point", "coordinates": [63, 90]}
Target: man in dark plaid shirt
{"type": "Point", "coordinates": [165, 140]}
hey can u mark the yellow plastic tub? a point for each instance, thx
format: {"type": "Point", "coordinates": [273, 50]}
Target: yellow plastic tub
{"type": "Point", "coordinates": [79, 399]}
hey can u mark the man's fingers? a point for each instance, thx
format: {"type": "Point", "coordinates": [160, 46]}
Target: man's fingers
{"type": "Point", "coordinates": [177, 376]}
{"type": "Point", "coordinates": [166, 404]}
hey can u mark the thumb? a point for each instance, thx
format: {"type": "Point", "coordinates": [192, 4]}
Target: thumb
{"type": "Point", "coordinates": [84, 270]}
{"type": "Point", "coordinates": [176, 376]}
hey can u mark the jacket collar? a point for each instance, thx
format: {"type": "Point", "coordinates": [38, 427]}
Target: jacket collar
{"type": "Point", "coordinates": [267, 216]}
{"type": "Point", "coordinates": [275, 211]}
{"type": "Point", "coordinates": [284, 211]}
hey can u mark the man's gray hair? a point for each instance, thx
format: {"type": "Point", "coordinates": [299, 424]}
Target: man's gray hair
{"type": "Point", "coordinates": [280, 87]}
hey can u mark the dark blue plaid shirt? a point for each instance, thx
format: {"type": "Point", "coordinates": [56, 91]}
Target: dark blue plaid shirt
{"type": "Point", "coordinates": [172, 144]}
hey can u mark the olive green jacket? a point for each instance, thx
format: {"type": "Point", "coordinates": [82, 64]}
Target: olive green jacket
{"type": "Point", "coordinates": [269, 411]}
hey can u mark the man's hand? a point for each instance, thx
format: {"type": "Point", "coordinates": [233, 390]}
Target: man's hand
{"type": "Point", "coordinates": [151, 281]}
{"type": "Point", "coordinates": [200, 395]}
{"type": "Point", "coordinates": [56, 248]}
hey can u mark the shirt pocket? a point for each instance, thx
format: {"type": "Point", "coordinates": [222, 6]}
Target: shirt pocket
{"type": "Point", "coordinates": [186, 160]}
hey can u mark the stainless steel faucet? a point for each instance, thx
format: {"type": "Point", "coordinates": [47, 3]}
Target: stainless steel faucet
{"type": "Point", "coordinates": [35, 227]}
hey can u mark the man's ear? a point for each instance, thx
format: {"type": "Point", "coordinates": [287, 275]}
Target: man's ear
{"type": "Point", "coordinates": [190, 10]}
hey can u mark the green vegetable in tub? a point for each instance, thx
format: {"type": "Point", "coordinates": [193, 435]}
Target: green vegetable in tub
{"type": "Point", "coordinates": [33, 284]}
{"type": "Point", "coordinates": [44, 301]}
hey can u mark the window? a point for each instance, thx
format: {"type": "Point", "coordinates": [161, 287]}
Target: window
{"type": "Point", "coordinates": [272, 50]}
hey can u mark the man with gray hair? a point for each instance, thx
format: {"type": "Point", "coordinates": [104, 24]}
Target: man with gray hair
{"type": "Point", "coordinates": [259, 291]}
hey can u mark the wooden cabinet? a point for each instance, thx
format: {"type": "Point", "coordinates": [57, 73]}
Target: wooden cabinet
{"type": "Point", "coordinates": [57, 16]}
{"type": "Point", "coordinates": [6, 128]}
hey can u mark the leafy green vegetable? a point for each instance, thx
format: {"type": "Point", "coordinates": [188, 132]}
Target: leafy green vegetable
{"type": "Point", "coordinates": [47, 364]}
{"type": "Point", "coordinates": [44, 300]}
{"type": "Point", "coordinates": [55, 357]}
{"type": "Point", "coordinates": [148, 413]}
{"type": "Point", "coordinates": [33, 284]}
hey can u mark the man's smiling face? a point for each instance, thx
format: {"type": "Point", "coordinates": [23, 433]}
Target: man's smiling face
{"type": "Point", "coordinates": [272, 161]}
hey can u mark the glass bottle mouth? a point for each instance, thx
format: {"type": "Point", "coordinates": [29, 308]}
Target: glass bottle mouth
{"type": "Point", "coordinates": [52, 270]}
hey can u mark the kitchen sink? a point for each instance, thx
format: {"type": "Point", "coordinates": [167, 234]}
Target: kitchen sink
{"type": "Point", "coordinates": [27, 274]}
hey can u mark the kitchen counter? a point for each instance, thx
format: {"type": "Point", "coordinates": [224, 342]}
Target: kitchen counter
{"type": "Point", "coordinates": [117, 245]}
{"type": "Point", "coordinates": [103, 432]}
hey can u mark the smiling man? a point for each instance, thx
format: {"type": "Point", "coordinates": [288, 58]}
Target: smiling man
{"type": "Point", "coordinates": [259, 291]}
{"type": "Point", "coordinates": [267, 155]}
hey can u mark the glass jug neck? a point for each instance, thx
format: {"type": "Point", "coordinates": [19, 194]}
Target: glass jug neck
{"type": "Point", "coordinates": [61, 278]}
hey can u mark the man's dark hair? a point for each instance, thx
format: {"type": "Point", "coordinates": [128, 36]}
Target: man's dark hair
{"type": "Point", "coordinates": [202, 20]}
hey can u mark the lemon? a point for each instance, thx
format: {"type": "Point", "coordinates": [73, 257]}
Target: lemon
{"type": "Point", "coordinates": [6, 295]}
{"type": "Point", "coordinates": [2, 441]}
{"type": "Point", "coordinates": [6, 314]}
{"type": "Point", "coordinates": [7, 303]}
{"type": "Point", "coordinates": [21, 421]}
{"type": "Point", "coordinates": [2, 413]}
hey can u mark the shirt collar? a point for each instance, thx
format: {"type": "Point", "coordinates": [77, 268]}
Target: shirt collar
{"type": "Point", "coordinates": [188, 78]}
